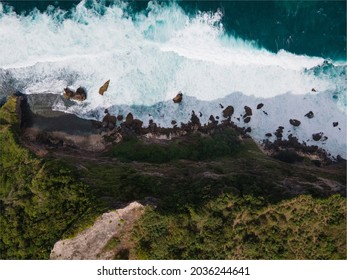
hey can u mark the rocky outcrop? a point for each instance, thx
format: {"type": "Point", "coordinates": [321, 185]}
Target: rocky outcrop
{"type": "Point", "coordinates": [178, 98]}
{"type": "Point", "coordinates": [317, 136]}
{"type": "Point", "coordinates": [91, 243]}
{"type": "Point", "coordinates": [309, 115]}
{"type": "Point", "coordinates": [294, 122]}
{"type": "Point", "coordinates": [259, 106]}
{"type": "Point", "coordinates": [79, 95]}
{"type": "Point", "coordinates": [248, 111]}
{"type": "Point", "coordinates": [247, 119]}
{"type": "Point", "coordinates": [228, 111]}
{"type": "Point", "coordinates": [104, 87]}
{"type": "Point", "coordinates": [129, 119]}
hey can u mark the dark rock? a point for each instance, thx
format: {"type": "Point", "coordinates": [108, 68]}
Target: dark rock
{"type": "Point", "coordinates": [265, 113]}
{"type": "Point", "coordinates": [104, 87]}
{"type": "Point", "coordinates": [310, 115]}
{"type": "Point", "coordinates": [268, 134]}
{"type": "Point", "coordinates": [238, 119]}
{"type": "Point", "coordinates": [281, 128]}
{"type": "Point", "coordinates": [106, 111]}
{"type": "Point", "coordinates": [173, 122]}
{"type": "Point", "coordinates": [248, 111]}
{"type": "Point", "coordinates": [217, 117]}
{"type": "Point", "coordinates": [259, 106]}
{"type": "Point", "coordinates": [228, 111]}
{"type": "Point", "coordinates": [313, 89]}
{"type": "Point", "coordinates": [80, 94]}
{"type": "Point", "coordinates": [221, 105]}
{"type": "Point", "coordinates": [247, 119]}
{"type": "Point", "coordinates": [294, 122]}
{"type": "Point", "coordinates": [137, 124]}
{"type": "Point", "coordinates": [195, 120]}
{"type": "Point", "coordinates": [317, 136]}
{"type": "Point", "coordinates": [335, 124]}
{"type": "Point", "coordinates": [68, 93]}
{"type": "Point", "coordinates": [178, 98]}
{"type": "Point", "coordinates": [248, 130]}
{"type": "Point", "coordinates": [129, 119]}
{"type": "Point", "coordinates": [120, 117]}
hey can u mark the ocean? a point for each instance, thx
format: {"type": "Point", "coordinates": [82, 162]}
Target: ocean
{"type": "Point", "coordinates": [288, 55]}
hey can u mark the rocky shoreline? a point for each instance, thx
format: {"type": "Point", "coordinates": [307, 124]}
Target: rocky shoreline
{"type": "Point", "coordinates": [44, 130]}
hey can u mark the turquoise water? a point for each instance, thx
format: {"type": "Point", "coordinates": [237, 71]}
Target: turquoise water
{"type": "Point", "coordinates": [314, 28]}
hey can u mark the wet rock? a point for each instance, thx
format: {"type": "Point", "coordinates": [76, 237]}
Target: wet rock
{"type": "Point", "coordinates": [259, 106]}
{"type": "Point", "coordinates": [68, 93]}
{"type": "Point", "coordinates": [104, 87]}
{"type": "Point", "coordinates": [294, 122]}
{"type": "Point", "coordinates": [173, 122]}
{"type": "Point", "coordinates": [314, 90]}
{"type": "Point", "coordinates": [228, 111]}
{"type": "Point", "coordinates": [279, 132]}
{"type": "Point", "coordinates": [248, 130]}
{"type": "Point", "coordinates": [195, 120]}
{"type": "Point", "coordinates": [309, 115]}
{"type": "Point", "coordinates": [335, 124]}
{"type": "Point", "coordinates": [248, 111]}
{"type": "Point", "coordinates": [317, 136]}
{"type": "Point", "coordinates": [120, 117]}
{"type": "Point", "coordinates": [129, 119]}
{"type": "Point", "coordinates": [80, 94]}
{"type": "Point", "coordinates": [217, 117]}
{"type": "Point", "coordinates": [178, 98]}
{"type": "Point", "coordinates": [247, 119]}
{"type": "Point", "coordinates": [268, 134]}
{"type": "Point", "coordinates": [137, 124]}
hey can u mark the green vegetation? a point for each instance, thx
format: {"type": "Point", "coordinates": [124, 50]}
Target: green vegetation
{"type": "Point", "coordinates": [216, 197]}
{"type": "Point", "coordinates": [230, 227]}
{"type": "Point", "coordinates": [193, 147]}
{"type": "Point", "coordinates": [39, 201]}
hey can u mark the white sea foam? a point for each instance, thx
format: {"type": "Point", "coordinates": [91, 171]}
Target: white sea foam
{"type": "Point", "coordinates": [150, 56]}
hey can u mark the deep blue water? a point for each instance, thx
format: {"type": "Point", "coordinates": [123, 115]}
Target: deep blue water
{"type": "Point", "coordinates": [314, 28]}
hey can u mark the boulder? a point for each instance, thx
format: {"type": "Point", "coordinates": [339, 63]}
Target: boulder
{"type": "Point", "coordinates": [259, 106]}
{"type": "Point", "coordinates": [309, 115]}
{"type": "Point", "coordinates": [68, 93]}
{"type": "Point", "coordinates": [120, 118]}
{"type": "Point", "coordinates": [173, 122]}
{"type": "Point", "coordinates": [317, 136]}
{"type": "Point", "coordinates": [248, 111]}
{"type": "Point", "coordinates": [137, 124]}
{"type": "Point", "coordinates": [195, 120]}
{"type": "Point", "coordinates": [268, 134]}
{"type": "Point", "coordinates": [335, 124]}
{"type": "Point", "coordinates": [104, 87]}
{"type": "Point", "coordinates": [294, 122]}
{"type": "Point", "coordinates": [228, 111]}
{"type": "Point", "coordinates": [80, 94]}
{"type": "Point", "coordinates": [248, 130]}
{"type": "Point", "coordinates": [129, 119]}
{"type": "Point", "coordinates": [247, 119]}
{"type": "Point", "coordinates": [178, 98]}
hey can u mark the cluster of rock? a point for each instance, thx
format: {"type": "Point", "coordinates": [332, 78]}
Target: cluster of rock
{"type": "Point", "coordinates": [80, 94]}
